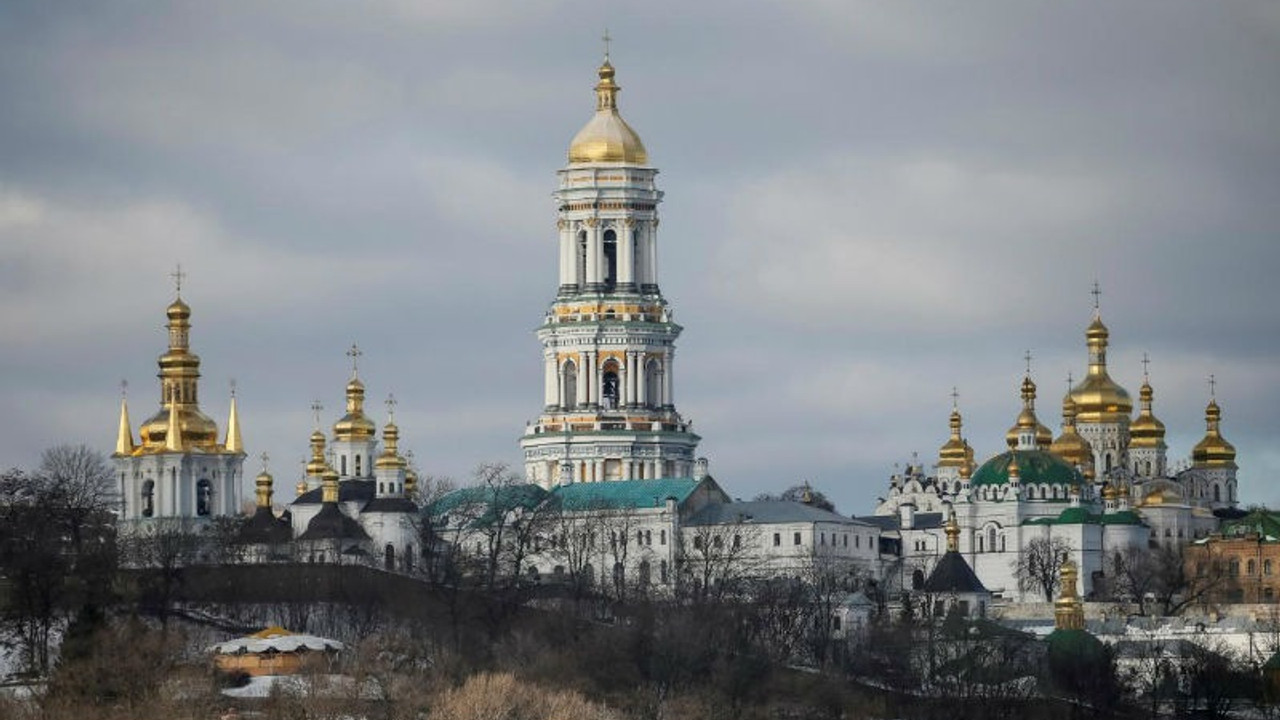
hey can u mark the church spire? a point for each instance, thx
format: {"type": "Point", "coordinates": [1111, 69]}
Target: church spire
{"type": "Point", "coordinates": [124, 437]}
{"type": "Point", "coordinates": [233, 443]}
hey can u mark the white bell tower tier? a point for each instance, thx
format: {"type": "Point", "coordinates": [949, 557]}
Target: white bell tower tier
{"type": "Point", "coordinates": [608, 338]}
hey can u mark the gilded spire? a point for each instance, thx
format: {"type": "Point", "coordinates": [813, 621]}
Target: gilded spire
{"type": "Point", "coordinates": [1146, 431]}
{"type": "Point", "coordinates": [354, 425]}
{"type": "Point", "coordinates": [953, 534]}
{"type": "Point", "coordinates": [124, 437]}
{"type": "Point", "coordinates": [955, 452]}
{"type": "Point", "coordinates": [1213, 450]}
{"type": "Point", "coordinates": [1068, 611]}
{"type": "Point", "coordinates": [263, 485]}
{"type": "Point", "coordinates": [233, 444]}
{"type": "Point", "coordinates": [179, 386]}
{"type": "Point", "coordinates": [173, 433]}
{"type": "Point", "coordinates": [1027, 424]}
{"type": "Point", "coordinates": [390, 457]}
{"type": "Point", "coordinates": [1098, 398]}
{"type": "Point", "coordinates": [607, 137]}
{"type": "Point", "coordinates": [1070, 446]}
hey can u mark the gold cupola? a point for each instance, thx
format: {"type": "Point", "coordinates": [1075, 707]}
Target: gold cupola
{"type": "Point", "coordinates": [956, 452]}
{"type": "Point", "coordinates": [1098, 398]}
{"type": "Point", "coordinates": [1027, 421]}
{"type": "Point", "coordinates": [1146, 431]}
{"type": "Point", "coordinates": [179, 401]}
{"type": "Point", "coordinates": [355, 425]}
{"type": "Point", "coordinates": [390, 458]}
{"type": "Point", "coordinates": [1213, 451]}
{"type": "Point", "coordinates": [1070, 446]}
{"type": "Point", "coordinates": [1068, 611]}
{"type": "Point", "coordinates": [316, 465]}
{"type": "Point", "coordinates": [607, 138]}
{"type": "Point", "coordinates": [263, 487]}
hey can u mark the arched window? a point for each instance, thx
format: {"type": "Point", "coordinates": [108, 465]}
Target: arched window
{"type": "Point", "coordinates": [980, 543]}
{"type": "Point", "coordinates": [1217, 493]}
{"type": "Point", "coordinates": [644, 573]}
{"type": "Point", "coordinates": [389, 557]}
{"type": "Point", "coordinates": [569, 383]}
{"type": "Point", "coordinates": [609, 387]}
{"type": "Point", "coordinates": [582, 259]}
{"type": "Point", "coordinates": [1249, 567]}
{"type": "Point", "coordinates": [408, 557]}
{"type": "Point", "coordinates": [917, 579]}
{"type": "Point", "coordinates": [204, 496]}
{"type": "Point", "coordinates": [358, 465]}
{"type": "Point", "coordinates": [1108, 462]}
{"type": "Point", "coordinates": [653, 382]}
{"type": "Point", "coordinates": [610, 260]}
{"type": "Point", "coordinates": [149, 498]}
{"type": "Point", "coordinates": [344, 465]}
{"type": "Point", "coordinates": [991, 539]}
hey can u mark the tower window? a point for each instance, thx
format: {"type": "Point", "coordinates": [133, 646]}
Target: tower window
{"type": "Point", "coordinates": [148, 498]}
{"type": "Point", "coordinates": [653, 383]}
{"type": "Point", "coordinates": [582, 259]}
{"type": "Point", "coordinates": [357, 465]}
{"type": "Point", "coordinates": [204, 495]}
{"type": "Point", "coordinates": [344, 465]}
{"type": "Point", "coordinates": [610, 260]}
{"type": "Point", "coordinates": [609, 389]}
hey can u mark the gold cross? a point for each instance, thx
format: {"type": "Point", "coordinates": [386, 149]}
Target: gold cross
{"type": "Point", "coordinates": [606, 40]}
{"type": "Point", "coordinates": [391, 407]}
{"type": "Point", "coordinates": [178, 276]}
{"type": "Point", "coordinates": [354, 353]}
{"type": "Point", "coordinates": [1027, 357]}
{"type": "Point", "coordinates": [1146, 361]}
{"type": "Point", "coordinates": [955, 397]}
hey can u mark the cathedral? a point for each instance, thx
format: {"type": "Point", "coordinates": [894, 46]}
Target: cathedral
{"type": "Point", "coordinates": [1102, 485]}
{"type": "Point", "coordinates": [178, 469]}
{"type": "Point", "coordinates": [608, 339]}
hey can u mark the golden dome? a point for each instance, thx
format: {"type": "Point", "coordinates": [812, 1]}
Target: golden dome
{"type": "Point", "coordinates": [316, 466]}
{"type": "Point", "coordinates": [1098, 398]}
{"type": "Point", "coordinates": [390, 457]}
{"type": "Point", "coordinates": [1110, 492]}
{"type": "Point", "coordinates": [955, 452]}
{"type": "Point", "coordinates": [410, 481]}
{"type": "Point", "coordinates": [1146, 431]}
{"type": "Point", "coordinates": [262, 488]}
{"type": "Point", "coordinates": [607, 138]}
{"type": "Point", "coordinates": [178, 310]}
{"type": "Point", "coordinates": [1070, 446]}
{"type": "Point", "coordinates": [1161, 492]}
{"type": "Point", "coordinates": [196, 429]}
{"type": "Point", "coordinates": [354, 425]}
{"type": "Point", "coordinates": [1213, 450]}
{"type": "Point", "coordinates": [1027, 419]}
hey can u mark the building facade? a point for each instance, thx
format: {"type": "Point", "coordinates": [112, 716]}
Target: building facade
{"type": "Point", "coordinates": [178, 469]}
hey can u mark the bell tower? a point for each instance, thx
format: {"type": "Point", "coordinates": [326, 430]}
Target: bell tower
{"type": "Point", "coordinates": [608, 338]}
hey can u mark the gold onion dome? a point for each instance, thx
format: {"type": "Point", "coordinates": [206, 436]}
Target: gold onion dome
{"type": "Point", "coordinates": [1146, 431]}
{"type": "Point", "coordinates": [1070, 446]}
{"type": "Point", "coordinates": [262, 487]}
{"type": "Point", "coordinates": [1213, 450]}
{"type": "Point", "coordinates": [607, 138]}
{"type": "Point", "coordinates": [390, 457]}
{"type": "Point", "coordinates": [316, 466]}
{"type": "Point", "coordinates": [1098, 398]}
{"type": "Point", "coordinates": [178, 310]}
{"type": "Point", "coordinates": [179, 375]}
{"type": "Point", "coordinates": [955, 452]}
{"type": "Point", "coordinates": [1027, 419]}
{"type": "Point", "coordinates": [354, 425]}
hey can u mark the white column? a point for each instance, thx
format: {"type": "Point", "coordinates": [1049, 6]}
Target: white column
{"type": "Point", "coordinates": [593, 255]}
{"type": "Point", "coordinates": [642, 385]}
{"type": "Point", "coordinates": [626, 254]}
{"type": "Point", "coordinates": [551, 381]}
{"type": "Point", "coordinates": [599, 471]}
{"type": "Point", "coordinates": [651, 251]}
{"type": "Point", "coordinates": [568, 256]}
{"type": "Point", "coordinates": [668, 398]}
{"type": "Point", "coordinates": [582, 378]}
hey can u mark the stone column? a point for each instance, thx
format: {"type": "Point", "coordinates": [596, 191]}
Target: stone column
{"type": "Point", "coordinates": [582, 378]}
{"type": "Point", "coordinates": [594, 247]}
{"type": "Point", "coordinates": [668, 397]}
{"type": "Point", "coordinates": [551, 382]}
{"type": "Point", "coordinates": [626, 256]}
{"type": "Point", "coordinates": [568, 258]}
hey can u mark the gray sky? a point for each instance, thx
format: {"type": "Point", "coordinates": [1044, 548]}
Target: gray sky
{"type": "Point", "coordinates": [866, 204]}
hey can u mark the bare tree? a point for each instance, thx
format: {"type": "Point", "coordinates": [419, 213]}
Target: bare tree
{"type": "Point", "coordinates": [715, 560]}
{"type": "Point", "coordinates": [1038, 566]}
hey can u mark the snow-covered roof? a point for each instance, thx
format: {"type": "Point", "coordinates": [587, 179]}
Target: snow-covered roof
{"type": "Point", "coordinates": [275, 639]}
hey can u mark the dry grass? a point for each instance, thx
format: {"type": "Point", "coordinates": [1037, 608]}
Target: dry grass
{"type": "Point", "coordinates": [501, 696]}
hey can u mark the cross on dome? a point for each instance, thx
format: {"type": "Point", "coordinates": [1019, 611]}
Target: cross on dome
{"type": "Point", "coordinates": [955, 397]}
{"type": "Point", "coordinates": [1027, 357]}
{"type": "Point", "coordinates": [178, 277]}
{"type": "Point", "coordinates": [1096, 292]}
{"type": "Point", "coordinates": [607, 39]}
{"type": "Point", "coordinates": [233, 387]}
{"type": "Point", "coordinates": [1146, 362]}
{"type": "Point", "coordinates": [391, 407]}
{"type": "Point", "coordinates": [1213, 384]}
{"type": "Point", "coordinates": [316, 407]}
{"type": "Point", "coordinates": [265, 458]}
{"type": "Point", "coordinates": [354, 353]}
{"type": "Point", "coordinates": [124, 388]}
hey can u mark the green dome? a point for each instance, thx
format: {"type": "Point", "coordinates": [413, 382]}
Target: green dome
{"type": "Point", "coordinates": [1034, 466]}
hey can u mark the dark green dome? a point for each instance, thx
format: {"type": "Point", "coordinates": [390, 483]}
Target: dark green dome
{"type": "Point", "coordinates": [1034, 466]}
{"type": "Point", "coordinates": [1078, 644]}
